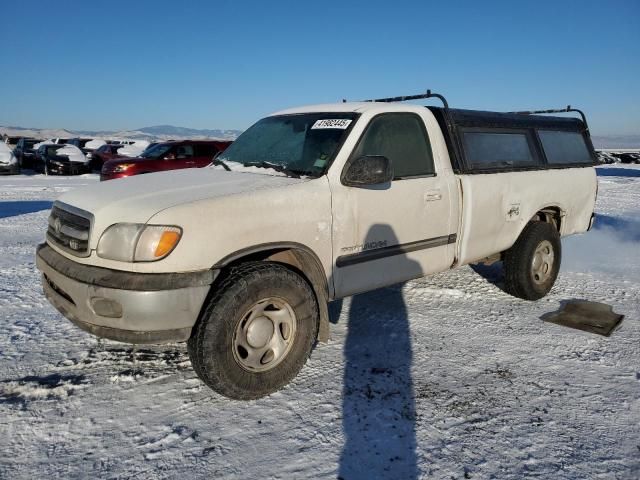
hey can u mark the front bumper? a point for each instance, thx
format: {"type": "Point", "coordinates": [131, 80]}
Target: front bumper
{"type": "Point", "coordinates": [113, 175]}
{"type": "Point", "coordinates": [9, 169]}
{"type": "Point", "coordinates": [124, 306]}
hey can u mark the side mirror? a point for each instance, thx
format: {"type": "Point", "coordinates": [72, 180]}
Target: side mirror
{"type": "Point", "coordinates": [367, 171]}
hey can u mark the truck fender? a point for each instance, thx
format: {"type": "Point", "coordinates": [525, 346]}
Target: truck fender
{"type": "Point", "coordinates": [298, 257]}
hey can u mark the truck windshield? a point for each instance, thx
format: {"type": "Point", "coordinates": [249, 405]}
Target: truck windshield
{"type": "Point", "coordinates": [300, 144]}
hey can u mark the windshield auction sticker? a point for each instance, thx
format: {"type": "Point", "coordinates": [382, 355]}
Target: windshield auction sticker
{"type": "Point", "coordinates": [341, 123]}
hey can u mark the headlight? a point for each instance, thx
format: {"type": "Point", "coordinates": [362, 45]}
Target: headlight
{"type": "Point", "coordinates": [133, 242]}
{"type": "Point", "coordinates": [122, 167]}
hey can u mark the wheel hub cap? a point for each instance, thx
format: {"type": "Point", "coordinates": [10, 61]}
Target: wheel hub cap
{"type": "Point", "coordinates": [542, 263]}
{"type": "Point", "coordinates": [264, 335]}
{"type": "Point", "coordinates": [259, 332]}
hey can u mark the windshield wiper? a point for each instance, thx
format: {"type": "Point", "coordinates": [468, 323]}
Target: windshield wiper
{"type": "Point", "coordinates": [277, 167]}
{"type": "Point", "coordinates": [217, 162]}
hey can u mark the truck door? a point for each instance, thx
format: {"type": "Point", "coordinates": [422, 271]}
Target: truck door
{"type": "Point", "coordinates": [386, 234]}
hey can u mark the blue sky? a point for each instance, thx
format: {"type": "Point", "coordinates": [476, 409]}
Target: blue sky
{"type": "Point", "coordinates": [224, 64]}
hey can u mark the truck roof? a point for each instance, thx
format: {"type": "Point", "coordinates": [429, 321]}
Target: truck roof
{"type": "Point", "coordinates": [454, 122]}
{"type": "Point", "coordinates": [458, 116]}
{"type": "Point", "coordinates": [357, 107]}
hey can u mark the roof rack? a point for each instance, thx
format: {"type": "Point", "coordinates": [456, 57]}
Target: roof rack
{"type": "Point", "coordinates": [560, 110]}
{"type": "Point", "coordinates": [429, 94]}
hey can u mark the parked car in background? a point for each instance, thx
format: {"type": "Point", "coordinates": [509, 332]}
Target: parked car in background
{"type": "Point", "coordinates": [627, 157]}
{"type": "Point", "coordinates": [25, 152]}
{"type": "Point", "coordinates": [60, 159]}
{"type": "Point", "coordinates": [135, 149]}
{"type": "Point", "coordinates": [8, 161]}
{"type": "Point", "coordinates": [79, 142]}
{"type": "Point", "coordinates": [606, 157]}
{"type": "Point", "coordinates": [45, 155]}
{"type": "Point", "coordinates": [103, 154]}
{"type": "Point", "coordinates": [11, 141]}
{"type": "Point", "coordinates": [90, 148]}
{"type": "Point", "coordinates": [165, 156]}
{"type": "Point", "coordinates": [51, 141]}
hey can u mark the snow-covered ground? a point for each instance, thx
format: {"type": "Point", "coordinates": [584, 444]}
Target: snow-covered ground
{"type": "Point", "coordinates": [443, 377]}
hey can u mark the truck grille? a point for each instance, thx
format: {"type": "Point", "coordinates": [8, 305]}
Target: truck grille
{"type": "Point", "coordinates": [69, 228]}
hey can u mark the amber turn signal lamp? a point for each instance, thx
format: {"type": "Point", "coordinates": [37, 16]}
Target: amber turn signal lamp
{"type": "Point", "coordinates": [167, 242]}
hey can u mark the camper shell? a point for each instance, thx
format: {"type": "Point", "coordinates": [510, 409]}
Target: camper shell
{"type": "Point", "coordinates": [455, 123]}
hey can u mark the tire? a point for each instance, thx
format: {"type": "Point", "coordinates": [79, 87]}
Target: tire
{"type": "Point", "coordinates": [531, 266]}
{"type": "Point", "coordinates": [255, 303]}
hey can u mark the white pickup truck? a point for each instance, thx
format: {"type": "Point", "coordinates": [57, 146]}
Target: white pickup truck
{"type": "Point", "coordinates": [308, 205]}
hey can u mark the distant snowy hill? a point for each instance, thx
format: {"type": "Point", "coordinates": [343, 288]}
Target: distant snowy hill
{"type": "Point", "coordinates": [616, 141]}
{"type": "Point", "coordinates": [36, 132]}
{"type": "Point", "coordinates": [189, 132]}
{"type": "Point", "coordinates": [154, 133]}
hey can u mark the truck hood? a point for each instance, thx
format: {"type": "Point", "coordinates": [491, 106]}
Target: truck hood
{"type": "Point", "coordinates": [136, 199]}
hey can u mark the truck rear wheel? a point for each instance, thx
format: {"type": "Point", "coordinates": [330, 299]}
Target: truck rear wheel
{"type": "Point", "coordinates": [256, 332]}
{"type": "Point", "coordinates": [531, 266]}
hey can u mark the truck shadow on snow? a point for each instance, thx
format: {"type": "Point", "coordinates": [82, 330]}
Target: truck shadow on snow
{"type": "Point", "coordinates": [494, 273]}
{"type": "Point", "coordinates": [378, 405]}
{"type": "Point", "coordinates": [13, 209]}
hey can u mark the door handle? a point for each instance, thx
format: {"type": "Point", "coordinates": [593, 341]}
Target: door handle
{"type": "Point", "coordinates": [432, 195]}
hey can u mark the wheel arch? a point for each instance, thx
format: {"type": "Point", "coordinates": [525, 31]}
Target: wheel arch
{"type": "Point", "coordinates": [552, 214]}
{"type": "Point", "coordinates": [297, 257]}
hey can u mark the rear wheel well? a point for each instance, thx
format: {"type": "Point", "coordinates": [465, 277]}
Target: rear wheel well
{"type": "Point", "coordinates": [552, 215]}
{"type": "Point", "coordinates": [299, 260]}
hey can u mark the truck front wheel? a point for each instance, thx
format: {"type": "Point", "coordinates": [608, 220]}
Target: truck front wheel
{"type": "Point", "coordinates": [531, 266]}
{"type": "Point", "coordinates": [256, 332]}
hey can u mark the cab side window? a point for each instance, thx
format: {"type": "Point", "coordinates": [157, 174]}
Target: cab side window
{"type": "Point", "coordinates": [204, 150]}
{"type": "Point", "coordinates": [402, 138]}
{"type": "Point", "coordinates": [184, 151]}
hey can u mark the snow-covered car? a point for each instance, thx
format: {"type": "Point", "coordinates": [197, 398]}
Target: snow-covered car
{"type": "Point", "coordinates": [11, 141]}
{"type": "Point", "coordinates": [606, 157]}
{"type": "Point", "coordinates": [103, 154]}
{"type": "Point", "coordinates": [79, 142]}
{"type": "Point", "coordinates": [134, 149]}
{"type": "Point", "coordinates": [8, 161]}
{"type": "Point", "coordinates": [627, 157]}
{"type": "Point", "coordinates": [25, 151]}
{"type": "Point", "coordinates": [309, 205]}
{"type": "Point", "coordinates": [61, 159]}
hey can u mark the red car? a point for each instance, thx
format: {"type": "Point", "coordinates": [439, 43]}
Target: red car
{"type": "Point", "coordinates": [165, 156]}
{"type": "Point", "coordinates": [103, 154]}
